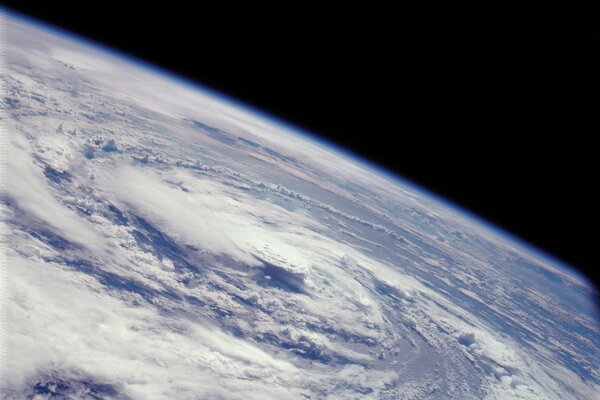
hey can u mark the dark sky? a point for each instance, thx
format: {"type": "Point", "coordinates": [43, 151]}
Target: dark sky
{"type": "Point", "coordinates": [493, 108]}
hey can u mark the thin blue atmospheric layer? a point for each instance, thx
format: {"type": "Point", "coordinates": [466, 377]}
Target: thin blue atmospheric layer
{"type": "Point", "coordinates": [316, 140]}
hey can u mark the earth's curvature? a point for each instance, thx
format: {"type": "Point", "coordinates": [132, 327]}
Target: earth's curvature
{"type": "Point", "coordinates": [163, 243]}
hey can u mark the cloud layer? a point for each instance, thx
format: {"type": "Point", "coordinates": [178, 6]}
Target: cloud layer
{"type": "Point", "coordinates": [162, 243]}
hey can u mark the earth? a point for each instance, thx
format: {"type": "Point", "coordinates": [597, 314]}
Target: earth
{"type": "Point", "coordinates": [161, 241]}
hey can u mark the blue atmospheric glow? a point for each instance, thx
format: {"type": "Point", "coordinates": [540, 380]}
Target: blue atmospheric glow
{"type": "Point", "coordinates": [313, 138]}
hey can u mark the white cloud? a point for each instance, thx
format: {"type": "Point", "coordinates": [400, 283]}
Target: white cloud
{"type": "Point", "coordinates": [370, 318]}
{"type": "Point", "coordinates": [27, 186]}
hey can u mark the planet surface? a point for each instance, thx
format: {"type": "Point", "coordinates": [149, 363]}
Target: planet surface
{"type": "Point", "coordinates": [160, 241]}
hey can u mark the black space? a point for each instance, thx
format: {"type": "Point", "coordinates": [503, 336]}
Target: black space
{"type": "Point", "coordinates": [493, 107]}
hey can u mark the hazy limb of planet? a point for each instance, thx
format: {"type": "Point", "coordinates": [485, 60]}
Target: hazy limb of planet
{"type": "Point", "coordinates": [161, 242]}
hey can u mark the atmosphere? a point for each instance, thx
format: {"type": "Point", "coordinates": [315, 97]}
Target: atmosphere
{"type": "Point", "coordinates": [163, 241]}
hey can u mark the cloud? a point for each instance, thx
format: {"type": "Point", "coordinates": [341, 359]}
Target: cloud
{"type": "Point", "coordinates": [28, 187]}
{"type": "Point", "coordinates": [182, 267]}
